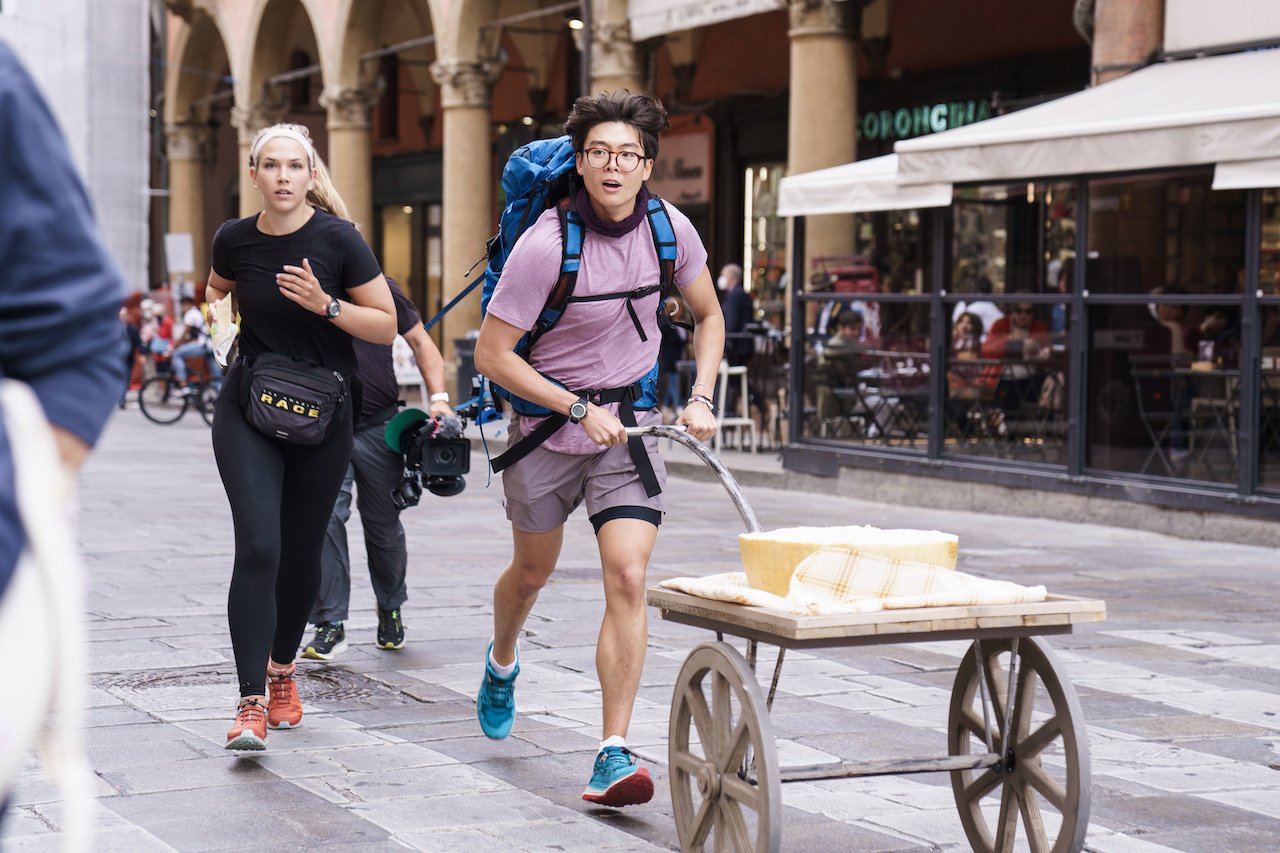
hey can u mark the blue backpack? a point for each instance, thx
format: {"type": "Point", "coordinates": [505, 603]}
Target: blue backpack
{"type": "Point", "coordinates": [538, 176]}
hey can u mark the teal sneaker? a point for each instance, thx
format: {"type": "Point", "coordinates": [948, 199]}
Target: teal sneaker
{"type": "Point", "coordinates": [496, 702]}
{"type": "Point", "coordinates": [618, 779]}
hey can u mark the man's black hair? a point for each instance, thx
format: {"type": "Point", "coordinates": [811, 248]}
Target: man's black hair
{"type": "Point", "coordinates": [643, 112]}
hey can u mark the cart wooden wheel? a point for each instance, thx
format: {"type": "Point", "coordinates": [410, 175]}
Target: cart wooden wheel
{"type": "Point", "coordinates": [1037, 797]}
{"type": "Point", "coordinates": [725, 785]}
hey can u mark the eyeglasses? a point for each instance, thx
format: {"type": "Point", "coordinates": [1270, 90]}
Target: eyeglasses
{"type": "Point", "coordinates": [627, 161]}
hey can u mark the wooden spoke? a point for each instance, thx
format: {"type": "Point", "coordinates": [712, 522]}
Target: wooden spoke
{"type": "Point", "coordinates": [1021, 784]}
{"type": "Point", "coordinates": [1007, 823]}
{"type": "Point", "coordinates": [1032, 821]}
{"type": "Point", "coordinates": [737, 825]}
{"type": "Point", "coordinates": [697, 704]}
{"type": "Point", "coordinates": [703, 821]}
{"type": "Point", "coordinates": [982, 786]}
{"type": "Point", "coordinates": [1033, 744]}
{"type": "Point", "coordinates": [687, 762]}
{"type": "Point", "coordinates": [730, 759]}
{"type": "Point", "coordinates": [743, 792]}
{"type": "Point", "coordinates": [1045, 784]}
{"type": "Point", "coordinates": [721, 716]}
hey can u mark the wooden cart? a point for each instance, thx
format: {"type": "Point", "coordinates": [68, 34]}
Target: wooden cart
{"type": "Point", "coordinates": [1019, 766]}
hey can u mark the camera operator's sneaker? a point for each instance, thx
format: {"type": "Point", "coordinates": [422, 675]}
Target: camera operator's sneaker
{"type": "Point", "coordinates": [329, 642]}
{"type": "Point", "coordinates": [618, 779]}
{"type": "Point", "coordinates": [390, 630]}
{"type": "Point", "coordinates": [496, 702]}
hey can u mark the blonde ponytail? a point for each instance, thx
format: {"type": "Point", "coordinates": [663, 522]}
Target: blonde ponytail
{"type": "Point", "coordinates": [324, 195]}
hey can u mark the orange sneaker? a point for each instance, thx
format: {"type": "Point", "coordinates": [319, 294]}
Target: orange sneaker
{"type": "Point", "coordinates": [250, 729]}
{"type": "Point", "coordinates": [284, 708]}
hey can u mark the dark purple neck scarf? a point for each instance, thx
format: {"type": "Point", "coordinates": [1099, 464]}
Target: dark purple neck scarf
{"type": "Point", "coordinates": [582, 203]}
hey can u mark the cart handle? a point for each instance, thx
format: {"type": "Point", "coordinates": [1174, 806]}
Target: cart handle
{"type": "Point", "coordinates": [678, 434]}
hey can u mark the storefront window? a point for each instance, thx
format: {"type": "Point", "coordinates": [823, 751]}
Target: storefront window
{"type": "Point", "coordinates": [896, 247]}
{"type": "Point", "coordinates": [865, 388]}
{"type": "Point", "coordinates": [1268, 425]}
{"type": "Point", "coordinates": [1165, 233]}
{"type": "Point", "coordinates": [1166, 390]}
{"type": "Point", "coordinates": [1007, 386]}
{"type": "Point", "coordinates": [765, 233]}
{"type": "Point", "coordinates": [1013, 238]}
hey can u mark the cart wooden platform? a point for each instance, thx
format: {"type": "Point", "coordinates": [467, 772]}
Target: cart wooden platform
{"type": "Point", "coordinates": [1017, 750]}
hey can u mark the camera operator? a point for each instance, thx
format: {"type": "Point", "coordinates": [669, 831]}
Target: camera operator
{"type": "Point", "coordinates": [376, 471]}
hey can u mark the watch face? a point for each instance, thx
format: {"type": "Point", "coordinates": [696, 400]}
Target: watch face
{"type": "Point", "coordinates": [334, 308]}
{"type": "Point", "coordinates": [578, 410]}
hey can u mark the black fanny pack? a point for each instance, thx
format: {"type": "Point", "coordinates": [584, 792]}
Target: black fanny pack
{"type": "Point", "coordinates": [291, 400]}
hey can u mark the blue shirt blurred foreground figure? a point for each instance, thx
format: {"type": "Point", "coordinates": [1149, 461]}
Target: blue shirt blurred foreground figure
{"type": "Point", "coordinates": [61, 375]}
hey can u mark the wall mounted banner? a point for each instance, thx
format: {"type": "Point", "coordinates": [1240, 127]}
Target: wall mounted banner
{"type": "Point", "coordinates": [651, 18]}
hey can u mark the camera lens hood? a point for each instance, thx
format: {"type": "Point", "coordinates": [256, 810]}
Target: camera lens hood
{"type": "Point", "coordinates": [400, 424]}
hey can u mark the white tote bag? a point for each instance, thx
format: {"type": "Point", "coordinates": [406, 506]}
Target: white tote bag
{"type": "Point", "coordinates": [42, 639]}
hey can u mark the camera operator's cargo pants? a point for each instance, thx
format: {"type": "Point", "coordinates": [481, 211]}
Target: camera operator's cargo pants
{"type": "Point", "coordinates": [375, 470]}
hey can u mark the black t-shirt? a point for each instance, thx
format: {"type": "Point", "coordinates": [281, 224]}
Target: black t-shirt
{"type": "Point", "coordinates": [377, 369]}
{"type": "Point", "coordinates": [269, 321]}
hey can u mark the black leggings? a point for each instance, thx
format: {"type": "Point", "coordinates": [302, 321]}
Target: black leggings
{"type": "Point", "coordinates": [281, 497]}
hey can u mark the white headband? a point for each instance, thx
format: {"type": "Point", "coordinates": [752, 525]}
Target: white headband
{"type": "Point", "coordinates": [287, 133]}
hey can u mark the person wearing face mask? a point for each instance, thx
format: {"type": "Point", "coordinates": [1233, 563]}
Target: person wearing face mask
{"type": "Point", "coordinates": [738, 312]}
{"type": "Point", "coordinates": [306, 283]}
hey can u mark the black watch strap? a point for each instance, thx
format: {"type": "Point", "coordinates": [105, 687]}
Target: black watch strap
{"type": "Point", "coordinates": [578, 410]}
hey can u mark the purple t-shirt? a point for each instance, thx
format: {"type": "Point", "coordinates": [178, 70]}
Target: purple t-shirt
{"type": "Point", "coordinates": [595, 344]}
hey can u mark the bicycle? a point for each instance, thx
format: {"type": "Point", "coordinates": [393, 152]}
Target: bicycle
{"type": "Point", "coordinates": [162, 400]}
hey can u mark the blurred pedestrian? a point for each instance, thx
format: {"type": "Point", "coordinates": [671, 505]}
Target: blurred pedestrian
{"type": "Point", "coordinates": [61, 363]}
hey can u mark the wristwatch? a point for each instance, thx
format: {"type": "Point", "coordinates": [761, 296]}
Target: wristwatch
{"type": "Point", "coordinates": [578, 410]}
{"type": "Point", "coordinates": [333, 309]}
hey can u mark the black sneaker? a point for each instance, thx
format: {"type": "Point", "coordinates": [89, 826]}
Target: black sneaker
{"type": "Point", "coordinates": [329, 642]}
{"type": "Point", "coordinates": [390, 630]}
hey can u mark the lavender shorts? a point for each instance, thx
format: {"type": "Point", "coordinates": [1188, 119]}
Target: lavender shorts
{"type": "Point", "coordinates": [544, 488]}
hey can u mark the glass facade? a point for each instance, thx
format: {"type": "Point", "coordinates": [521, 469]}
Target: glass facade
{"type": "Point", "coordinates": [1154, 361]}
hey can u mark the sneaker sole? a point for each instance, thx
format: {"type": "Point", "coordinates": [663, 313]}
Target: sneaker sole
{"type": "Point", "coordinates": [284, 724]}
{"type": "Point", "coordinates": [391, 647]}
{"type": "Point", "coordinates": [247, 741]}
{"type": "Point", "coordinates": [310, 652]}
{"type": "Point", "coordinates": [635, 790]}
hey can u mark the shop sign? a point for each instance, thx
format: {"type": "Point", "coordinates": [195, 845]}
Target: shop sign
{"type": "Point", "coordinates": [682, 172]}
{"type": "Point", "coordinates": [907, 122]}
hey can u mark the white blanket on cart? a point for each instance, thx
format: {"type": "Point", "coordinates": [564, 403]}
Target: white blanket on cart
{"type": "Point", "coordinates": [838, 580]}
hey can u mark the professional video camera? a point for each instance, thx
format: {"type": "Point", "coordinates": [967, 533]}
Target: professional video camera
{"type": "Point", "coordinates": [435, 455]}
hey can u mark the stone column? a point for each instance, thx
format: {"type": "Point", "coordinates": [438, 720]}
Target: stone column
{"type": "Point", "coordinates": [349, 148]}
{"type": "Point", "coordinates": [248, 121]}
{"type": "Point", "coordinates": [469, 221]}
{"type": "Point", "coordinates": [1125, 32]}
{"type": "Point", "coordinates": [614, 61]}
{"type": "Point", "coordinates": [823, 112]}
{"type": "Point", "coordinates": [188, 146]}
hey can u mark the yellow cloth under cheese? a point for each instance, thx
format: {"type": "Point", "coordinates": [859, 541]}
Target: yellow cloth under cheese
{"type": "Point", "coordinates": [838, 580]}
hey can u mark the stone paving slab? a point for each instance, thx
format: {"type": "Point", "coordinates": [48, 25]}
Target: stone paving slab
{"type": "Point", "coordinates": [1180, 688]}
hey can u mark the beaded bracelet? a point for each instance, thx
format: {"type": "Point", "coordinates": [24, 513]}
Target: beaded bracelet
{"type": "Point", "coordinates": [699, 398]}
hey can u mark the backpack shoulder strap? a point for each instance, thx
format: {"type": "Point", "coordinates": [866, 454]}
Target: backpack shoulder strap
{"type": "Point", "coordinates": [664, 240]}
{"type": "Point", "coordinates": [571, 233]}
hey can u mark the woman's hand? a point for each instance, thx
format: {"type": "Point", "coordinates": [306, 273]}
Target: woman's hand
{"type": "Point", "coordinates": [698, 420]}
{"type": "Point", "coordinates": [301, 285]}
{"type": "Point", "coordinates": [441, 409]}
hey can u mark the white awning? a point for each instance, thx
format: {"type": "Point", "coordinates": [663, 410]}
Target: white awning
{"type": "Point", "coordinates": [1193, 112]}
{"type": "Point", "coordinates": [860, 187]}
{"type": "Point", "coordinates": [1247, 174]}
{"type": "Point", "coordinates": [651, 18]}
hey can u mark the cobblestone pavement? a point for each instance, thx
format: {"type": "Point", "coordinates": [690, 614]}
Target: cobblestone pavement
{"type": "Point", "coordinates": [1180, 687]}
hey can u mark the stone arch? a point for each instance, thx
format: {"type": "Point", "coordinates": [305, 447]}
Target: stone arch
{"type": "Point", "coordinates": [200, 146]}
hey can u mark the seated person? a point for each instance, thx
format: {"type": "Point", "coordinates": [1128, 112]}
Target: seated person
{"type": "Point", "coordinates": [1018, 337]}
{"type": "Point", "coordinates": [1217, 338]}
{"type": "Point", "coordinates": [850, 333]}
{"type": "Point", "coordinates": [194, 341]}
{"type": "Point", "coordinates": [966, 337]}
